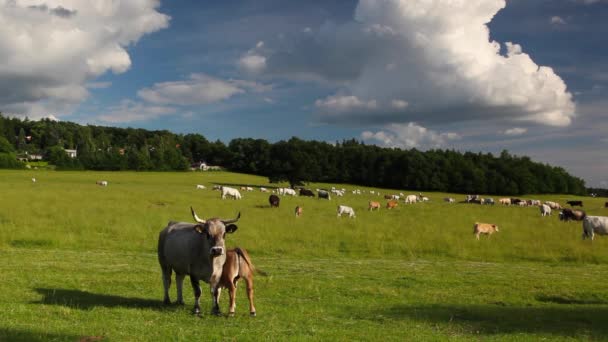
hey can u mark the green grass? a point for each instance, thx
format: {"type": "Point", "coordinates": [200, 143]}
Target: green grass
{"type": "Point", "coordinates": [79, 260]}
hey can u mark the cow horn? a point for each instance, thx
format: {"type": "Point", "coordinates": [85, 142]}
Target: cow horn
{"type": "Point", "coordinates": [233, 220]}
{"type": "Point", "coordinates": [196, 218]}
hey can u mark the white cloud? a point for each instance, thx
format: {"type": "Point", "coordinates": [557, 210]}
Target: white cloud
{"type": "Point", "coordinates": [199, 89]}
{"type": "Point", "coordinates": [555, 20]}
{"type": "Point", "coordinates": [253, 62]}
{"type": "Point", "coordinates": [49, 51]}
{"type": "Point", "coordinates": [408, 136]}
{"type": "Point", "coordinates": [129, 111]}
{"type": "Point", "coordinates": [515, 131]}
{"type": "Point", "coordinates": [435, 55]}
{"type": "Point", "coordinates": [341, 104]}
{"type": "Point", "coordinates": [98, 85]}
{"type": "Point", "coordinates": [399, 104]}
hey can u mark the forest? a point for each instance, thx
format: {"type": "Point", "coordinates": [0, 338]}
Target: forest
{"type": "Point", "coordinates": [295, 160]}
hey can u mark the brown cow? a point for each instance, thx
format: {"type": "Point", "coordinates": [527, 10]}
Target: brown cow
{"type": "Point", "coordinates": [484, 228]}
{"type": "Point", "coordinates": [238, 265]}
{"type": "Point", "coordinates": [299, 211]}
{"type": "Point", "coordinates": [391, 204]}
{"type": "Point", "coordinates": [374, 205]}
{"type": "Point", "coordinates": [388, 196]}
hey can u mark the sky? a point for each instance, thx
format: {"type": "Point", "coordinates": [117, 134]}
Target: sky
{"type": "Point", "coordinates": [528, 76]}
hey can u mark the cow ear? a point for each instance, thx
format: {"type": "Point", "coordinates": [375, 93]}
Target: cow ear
{"type": "Point", "coordinates": [231, 228]}
{"type": "Point", "coordinates": [199, 228]}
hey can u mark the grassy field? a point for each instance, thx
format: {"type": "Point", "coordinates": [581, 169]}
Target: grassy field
{"type": "Point", "coordinates": [78, 260]}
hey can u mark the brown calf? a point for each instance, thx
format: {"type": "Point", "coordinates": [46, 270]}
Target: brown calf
{"type": "Point", "coordinates": [484, 228]}
{"type": "Point", "coordinates": [238, 265]}
{"type": "Point", "coordinates": [374, 205]}
{"type": "Point", "coordinates": [299, 211]}
{"type": "Point", "coordinates": [391, 204]}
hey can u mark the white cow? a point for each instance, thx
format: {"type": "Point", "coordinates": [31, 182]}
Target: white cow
{"type": "Point", "coordinates": [262, 189]}
{"type": "Point", "coordinates": [595, 225]}
{"type": "Point", "coordinates": [545, 210]}
{"type": "Point", "coordinates": [230, 192]}
{"type": "Point", "coordinates": [424, 199]}
{"type": "Point", "coordinates": [411, 199]}
{"type": "Point", "coordinates": [342, 209]}
{"type": "Point", "coordinates": [291, 192]}
{"type": "Point", "coordinates": [199, 186]}
{"type": "Point", "coordinates": [102, 183]}
{"type": "Point", "coordinates": [33, 180]}
{"type": "Point", "coordinates": [249, 188]}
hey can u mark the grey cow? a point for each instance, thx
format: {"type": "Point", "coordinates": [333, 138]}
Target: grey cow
{"type": "Point", "coordinates": [197, 250]}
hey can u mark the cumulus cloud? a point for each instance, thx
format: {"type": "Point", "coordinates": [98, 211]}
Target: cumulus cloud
{"type": "Point", "coordinates": [253, 62]}
{"type": "Point", "coordinates": [409, 136]}
{"type": "Point", "coordinates": [555, 20]}
{"type": "Point", "coordinates": [515, 131]}
{"type": "Point", "coordinates": [436, 56]}
{"type": "Point", "coordinates": [50, 50]}
{"type": "Point", "coordinates": [129, 111]}
{"type": "Point", "coordinates": [199, 89]}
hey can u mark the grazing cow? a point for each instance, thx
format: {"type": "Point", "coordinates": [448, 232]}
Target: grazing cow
{"type": "Point", "coordinates": [199, 186]}
{"type": "Point", "coordinates": [102, 183]}
{"type": "Point", "coordinates": [243, 188]}
{"type": "Point", "coordinates": [595, 225]}
{"type": "Point", "coordinates": [262, 189]}
{"type": "Point", "coordinates": [374, 205]}
{"type": "Point", "coordinates": [248, 188]}
{"type": "Point", "coordinates": [288, 191]}
{"type": "Point", "coordinates": [569, 214]}
{"type": "Point", "coordinates": [217, 187]}
{"type": "Point", "coordinates": [522, 203]}
{"type": "Point", "coordinates": [575, 203]}
{"type": "Point", "coordinates": [449, 200]}
{"type": "Point", "coordinates": [238, 265]}
{"type": "Point", "coordinates": [342, 209]}
{"type": "Point", "coordinates": [197, 250]}
{"type": "Point", "coordinates": [535, 202]}
{"type": "Point", "coordinates": [411, 199]}
{"type": "Point", "coordinates": [487, 201]}
{"type": "Point", "coordinates": [274, 201]}
{"type": "Point", "coordinates": [392, 204]}
{"type": "Point", "coordinates": [553, 205]}
{"type": "Point", "coordinates": [424, 199]}
{"type": "Point", "coordinates": [472, 199]}
{"type": "Point", "coordinates": [324, 194]}
{"type": "Point", "coordinates": [516, 201]}
{"type": "Point", "coordinates": [484, 228]}
{"type": "Point", "coordinates": [306, 192]}
{"type": "Point", "coordinates": [298, 211]}
{"type": "Point", "coordinates": [388, 196]}
{"type": "Point", "coordinates": [230, 192]}
{"type": "Point", "coordinates": [505, 201]}
{"type": "Point", "coordinates": [545, 210]}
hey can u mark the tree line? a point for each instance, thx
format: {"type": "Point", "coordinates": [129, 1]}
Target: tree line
{"type": "Point", "coordinates": [296, 161]}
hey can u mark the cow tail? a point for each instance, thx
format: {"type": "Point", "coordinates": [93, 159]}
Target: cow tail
{"type": "Point", "coordinates": [243, 254]}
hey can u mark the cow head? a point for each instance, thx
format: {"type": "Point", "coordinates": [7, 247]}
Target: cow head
{"type": "Point", "coordinates": [214, 230]}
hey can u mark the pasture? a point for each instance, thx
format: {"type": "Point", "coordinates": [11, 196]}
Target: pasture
{"type": "Point", "coordinates": [79, 260]}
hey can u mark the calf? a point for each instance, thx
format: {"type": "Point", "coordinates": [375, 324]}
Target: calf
{"type": "Point", "coordinates": [484, 228]}
{"type": "Point", "coordinates": [238, 265]}
{"type": "Point", "coordinates": [299, 210]}
{"type": "Point", "coordinates": [342, 209]}
{"type": "Point", "coordinates": [374, 205]}
{"type": "Point", "coordinates": [392, 204]}
{"type": "Point", "coordinates": [274, 201]}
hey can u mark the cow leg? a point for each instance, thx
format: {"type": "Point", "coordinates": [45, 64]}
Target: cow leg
{"type": "Point", "coordinates": [215, 293]}
{"type": "Point", "coordinates": [232, 292]}
{"type": "Point", "coordinates": [249, 281]}
{"type": "Point", "coordinates": [477, 236]}
{"type": "Point", "coordinates": [179, 283]}
{"type": "Point", "coordinates": [196, 287]}
{"type": "Point", "coordinates": [166, 284]}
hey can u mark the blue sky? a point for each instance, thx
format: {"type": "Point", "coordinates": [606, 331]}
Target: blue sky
{"type": "Point", "coordinates": [529, 76]}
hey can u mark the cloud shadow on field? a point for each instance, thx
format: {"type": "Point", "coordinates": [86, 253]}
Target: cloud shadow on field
{"type": "Point", "coordinates": [86, 300]}
{"type": "Point", "coordinates": [564, 320]}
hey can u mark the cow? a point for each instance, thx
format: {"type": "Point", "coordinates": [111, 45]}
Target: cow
{"type": "Point", "coordinates": [449, 200]}
{"type": "Point", "coordinates": [553, 205]}
{"type": "Point", "coordinates": [575, 203]}
{"type": "Point", "coordinates": [307, 192]}
{"type": "Point", "coordinates": [263, 189]}
{"type": "Point", "coordinates": [324, 194]}
{"type": "Point", "coordinates": [342, 209]}
{"type": "Point", "coordinates": [374, 205]}
{"type": "Point", "coordinates": [472, 199]}
{"type": "Point", "coordinates": [487, 201]}
{"type": "Point", "coordinates": [288, 191]}
{"type": "Point", "coordinates": [388, 197]}
{"type": "Point", "coordinates": [595, 225]}
{"type": "Point", "coordinates": [545, 210]}
{"type": "Point", "coordinates": [299, 211]}
{"type": "Point", "coordinates": [230, 192]}
{"type": "Point", "coordinates": [424, 199]}
{"type": "Point", "coordinates": [392, 204]}
{"type": "Point", "coordinates": [484, 228]}
{"type": "Point", "coordinates": [606, 205]}
{"type": "Point", "coordinates": [194, 249]}
{"type": "Point", "coordinates": [217, 187]}
{"type": "Point", "coordinates": [102, 183]}
{"type": "Point", "coordinates": [411, 199]}
{"type": "Point", "coordinates": [33, 180]}
{"type": "Point", "coordinates": [274, 201]}
{"type": "Point", "coordinates": [238, 265]}
{"type": "Point", "coordinates": [199, 186]}
{"type": "Point", "coordinates": [522, 203]}
{"type": "Point", "coordinates": [569, 214]}
{"type": "Point", "coordinates": [249, 188]}
{"type": "Point", "coordinates": [535, 202]}
{"type": "Point", "coordinates": [516, 201]}
{"type": "Point", "coordinates": [505, 201]}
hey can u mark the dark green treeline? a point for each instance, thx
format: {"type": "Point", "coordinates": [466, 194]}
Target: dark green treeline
{"type": "Point", "coordinates": [295, 160]}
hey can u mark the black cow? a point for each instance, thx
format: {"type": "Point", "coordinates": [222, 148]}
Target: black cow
{"type": "Point", "coordinates": [606, 205]}
{"type": "Point", "coordinates": [274, 201]}
{"type": "Point", "coordinates": [575, 203]}
{"type": "Point", "coordinates": [306, 192]}
{"type": "Point", "coordinates": [515, 201]}
{"type": "Point", "coordinates": [569, 214]}
{"type": "Point", "coordinates": [324, 194]}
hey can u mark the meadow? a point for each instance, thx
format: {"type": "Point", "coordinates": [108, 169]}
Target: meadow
{"type": "Point", "coordinates": [79, 260]}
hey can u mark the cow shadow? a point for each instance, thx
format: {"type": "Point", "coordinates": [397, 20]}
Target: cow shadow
{"type": "Point", "coordinates": [84, 300]}
{"type": "Point", "coordinates": [500, 318]}
{"type": "Point", "coordinates": [15, 335]}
